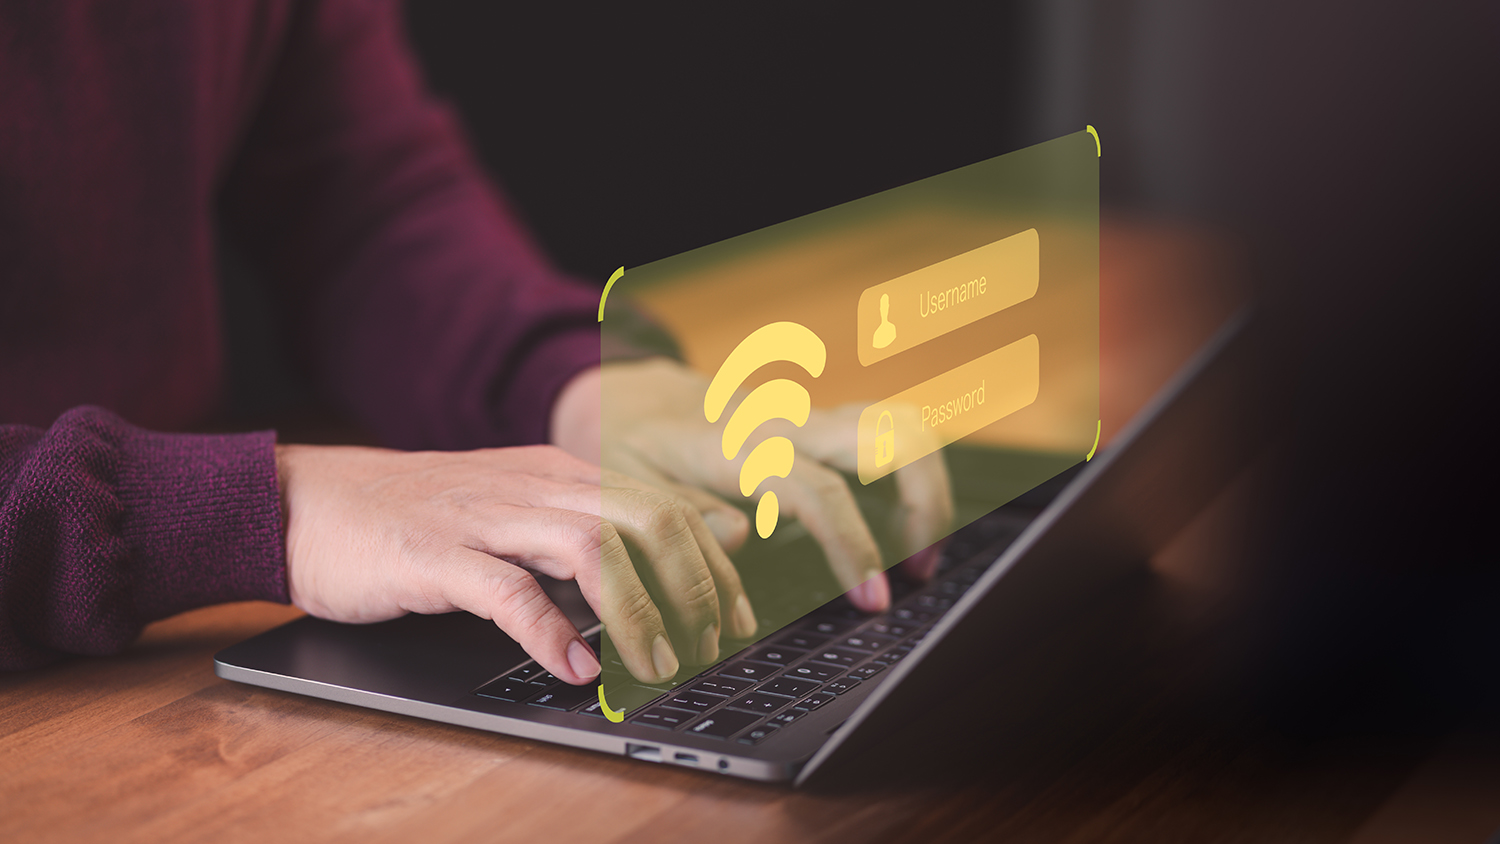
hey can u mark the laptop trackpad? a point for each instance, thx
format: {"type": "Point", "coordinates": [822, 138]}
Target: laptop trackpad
{"type": "Point", "coordinates": [422, 657]}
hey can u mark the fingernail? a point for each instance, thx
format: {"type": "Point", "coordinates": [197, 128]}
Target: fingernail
{"type": "Point", "coordinates": [581, 660]}
{"type": "Point", "coordinates": [924, 563]}
{"type": "Point", "coordinates": [744, 618]}
{"type": "Point", "coordinates": [873, 595]}
{"type": "Point", "coordinates": [708, 646]}
{"type": "Point", "coordinates": [662, 658]}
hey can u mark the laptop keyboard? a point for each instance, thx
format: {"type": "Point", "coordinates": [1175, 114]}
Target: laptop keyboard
{"type": "Point", "coordinates": [829, 652]}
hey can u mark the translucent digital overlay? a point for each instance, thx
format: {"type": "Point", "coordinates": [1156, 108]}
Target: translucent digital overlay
{"type": "Point", "coordinates": [862, 381]}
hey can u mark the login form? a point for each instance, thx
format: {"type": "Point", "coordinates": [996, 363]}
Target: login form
{"type": "Point", "coordinates": [863, 381]}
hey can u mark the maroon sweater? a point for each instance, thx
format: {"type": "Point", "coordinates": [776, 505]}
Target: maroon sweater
{"type": "Point", "coordinates": [129, 131]}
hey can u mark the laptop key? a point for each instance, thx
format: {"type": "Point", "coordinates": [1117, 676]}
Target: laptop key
{"type": "Point", "coordinates": [565, 697]}
{"type": "Point", "coordinates": [525, 673]}
{"type": "Point", "coordinates": [838, 656]}
{"type": "Point", "coordinates": [838, 687]}
{"type": "Point", "coordinates": [934, 602]}
{"type": "Point", "coordinates": [914, 615]}
{"type": "Point", "coordinates": [787, 717]}
{"type": "Point", "coordinates": [813, 671]}
{"type": "Point", "coordinates": [667, 719]}
{"type": "Point", "coordinates": [815, 701]}
{"type": "Point", "coordinates": [758, 735]}
{"type": "Point", "coordinates": [892, 628]}
{"type": "Point", "coordinates": [752, 671]}
{"type": "Point", "coordinates": [693, 701]}
{"type": "Point", "coordinates": [506, 689]}
{"type": "Point", "coordinates": [670, 684]}
{"type": "Point", "coordinates": [627, 696]}
{"type": "Point", "coordinates": [828, 626]}
{"type": "Point", "coordinates": [870, 642]}
{"type": "Point", "coordinates": [789, 686]}
{"type": "Point", "coordinates": [776, 655]}
{"type": "Point", "coordinates": [865, 672]}
{"type": "Point", "coordinates": [724, 723]}
{"type": "Point", "coordinates": [725, 686]}
{"type": "Point", "coordinates": [760, 702]}
{"type": "Point", "coordinates": [802, 640]}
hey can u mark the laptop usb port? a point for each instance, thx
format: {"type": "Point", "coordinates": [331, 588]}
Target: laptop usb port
{"type": "Point", "coordinates": [646, 752]}
{"type": "Point", "coordinates": [685, 758]}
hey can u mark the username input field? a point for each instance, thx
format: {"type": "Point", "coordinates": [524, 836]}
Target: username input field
{"type": "Point", "coordinates": [948, 407]}
{"type": "Point", "coordinates": [909, 310]}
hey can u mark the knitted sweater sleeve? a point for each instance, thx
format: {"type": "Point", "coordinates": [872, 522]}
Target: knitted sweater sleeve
{"type": "Point", "coordinates": [105, 527]}
{"type": "Point", "coordinates": [415, 298]}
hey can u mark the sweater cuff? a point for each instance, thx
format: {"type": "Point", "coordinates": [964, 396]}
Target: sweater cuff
{"type": "Point", "coordinates": [202, 514]}
{"type": "Point", "coordinates": [548, 367]}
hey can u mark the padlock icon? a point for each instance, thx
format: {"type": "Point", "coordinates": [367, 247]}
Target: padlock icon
{"type": "Point", "coordinates": [885, 441]}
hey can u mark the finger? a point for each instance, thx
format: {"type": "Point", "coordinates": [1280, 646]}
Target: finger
{"type": "Point", "coordinates": [675, 543]}
{"type": "Point", "coordinates": [582, 545]}
{"type": "Point", "coordinates": [730, 526]}
{"type": "Point", "coordinates": [734, 604]}
{"type": "Point", "coordinates": [658, 524]}
{"type": "Point", "coordinates": [923, 486]}
{"type": "Point", "coordinates": [819, 497]}
{"type": "Point", "coordinates": [511, 597]}
{"type": "Point", "coordinates": [710, 518]}
{"type": "Point", "coordinates": [632, 619]}
{"type": "Point", "coordinates": [922, 565]}
{"type": "Point", "coordinates": [927, 501]}
{"type": "Point", "coordinates": [873, 595]}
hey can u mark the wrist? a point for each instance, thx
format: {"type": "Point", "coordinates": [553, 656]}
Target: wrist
{"type": "Point", "coordinates": [286, 460]}
{"type": "Point", "coordinates": [575, 424]}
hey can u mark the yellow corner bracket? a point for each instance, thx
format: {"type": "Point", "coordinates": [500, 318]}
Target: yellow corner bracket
{"type": "Point", "coordinates": [614, 716]}
{"type": "Point", "coordinates": [613, 277]}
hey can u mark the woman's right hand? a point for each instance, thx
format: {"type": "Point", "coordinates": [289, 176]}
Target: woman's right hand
{"type": "Point", "coordinates": [372, 534]}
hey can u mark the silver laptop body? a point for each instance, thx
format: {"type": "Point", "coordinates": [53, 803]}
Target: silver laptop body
{"type": "Point", "coordinates": [856, 677]}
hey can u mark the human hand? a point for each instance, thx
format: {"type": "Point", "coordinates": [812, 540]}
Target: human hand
{"type": "Point", "coordinates": [657, 434]}
{"type": "Point", "coordinates": [373, 534]}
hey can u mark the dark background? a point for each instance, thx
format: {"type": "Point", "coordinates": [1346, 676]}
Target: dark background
{"type": "Point", "coordinates": [629, 134]}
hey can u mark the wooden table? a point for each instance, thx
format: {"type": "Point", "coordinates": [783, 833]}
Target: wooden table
{"type": "Point", "coordinates": [151, 746]}
{"type": "Point", "coordinates": [1151, 738]}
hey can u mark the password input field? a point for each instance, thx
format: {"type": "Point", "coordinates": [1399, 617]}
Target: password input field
{"type": "Point", "coordinates": [948, 407]}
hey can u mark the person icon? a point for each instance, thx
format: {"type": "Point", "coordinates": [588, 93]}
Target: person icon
{"type": "Point", "coordinates": [885, 334]}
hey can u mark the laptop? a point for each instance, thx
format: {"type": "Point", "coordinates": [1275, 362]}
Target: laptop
{"type": "Point", "coordinates": [831, 685]}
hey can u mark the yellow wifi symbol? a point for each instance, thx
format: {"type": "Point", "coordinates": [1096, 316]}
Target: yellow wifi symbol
{"type": "Point", "coordinates": [776, 399]}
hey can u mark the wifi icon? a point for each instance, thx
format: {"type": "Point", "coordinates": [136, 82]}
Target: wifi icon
{"type": "Point", "coordinates": [780, 398]}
